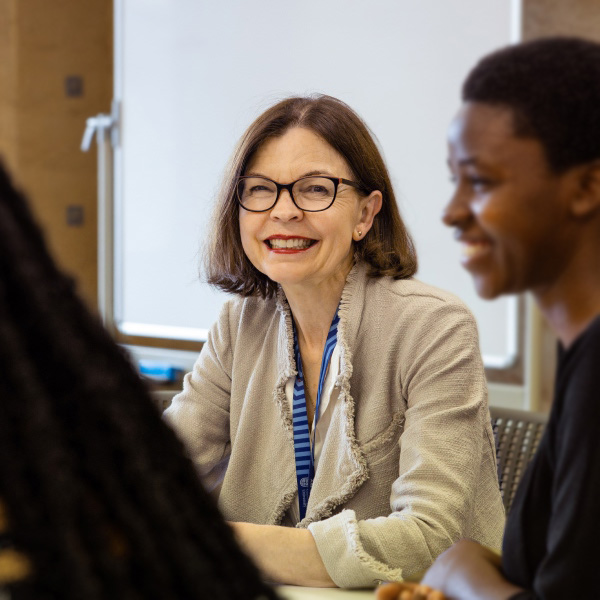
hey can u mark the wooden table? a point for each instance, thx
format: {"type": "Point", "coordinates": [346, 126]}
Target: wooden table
{"type": "Point", "coordinates": [292, 592]}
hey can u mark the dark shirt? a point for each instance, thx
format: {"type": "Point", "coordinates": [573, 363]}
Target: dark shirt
{"type": "Point", "coordinates": [552, 540]}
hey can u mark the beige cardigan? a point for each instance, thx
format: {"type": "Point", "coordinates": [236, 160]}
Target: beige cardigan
{"type": "Point", "coordinates": [408, 465]}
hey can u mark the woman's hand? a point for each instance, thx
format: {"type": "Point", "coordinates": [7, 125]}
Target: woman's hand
{"type": "Point", "coordinates": [283, 554]}
{"type": "Point", "coordinates": [407, 591]}
{"type": "Point", "coordinates": [466, 571]}
{"type": "Point", "coordinates": [469, 571]}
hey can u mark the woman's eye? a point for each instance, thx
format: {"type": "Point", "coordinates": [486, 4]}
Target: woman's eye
{"type": "Point", "coordinates": [475, 182]}
{"type": "Point", "coordinates": [258, 188]}
{"type": "Point", "coordinates": [479, 184]}
{"type": "Point", "coordinates": [315, 191]}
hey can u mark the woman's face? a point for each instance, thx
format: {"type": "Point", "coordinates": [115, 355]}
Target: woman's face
{"type": "Point", "coordinates": [509, 211]}
{"type": "Point", "coordinates": [319, 248]}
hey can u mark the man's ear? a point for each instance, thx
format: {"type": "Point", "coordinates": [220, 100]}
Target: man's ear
{"type": "Point", "coordinates": [586, 200]}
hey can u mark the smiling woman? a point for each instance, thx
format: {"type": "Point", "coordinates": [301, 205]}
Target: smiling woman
{"type": "Point", "coordinates": [499, 177]}
{"type": "Point", "coordinates": [330, 360]}
{"type": "Point", "coordinates": [525, 153]}
{"type": "Point", "coordinates": [291, 245]}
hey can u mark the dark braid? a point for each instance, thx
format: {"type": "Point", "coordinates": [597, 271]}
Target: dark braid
{"type": "Point", "coordinates": [98, 492]}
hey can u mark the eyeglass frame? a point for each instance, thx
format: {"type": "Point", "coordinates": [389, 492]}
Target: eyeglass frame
{"type": "Point", "coordinates": [288, 186]}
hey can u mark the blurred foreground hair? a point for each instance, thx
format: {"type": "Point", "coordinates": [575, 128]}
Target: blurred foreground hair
{"type": "Point", "coordinates": [97, 492]}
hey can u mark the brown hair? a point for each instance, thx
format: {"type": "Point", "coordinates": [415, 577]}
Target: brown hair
{"type": "Point", "coordinates": [387, 248]}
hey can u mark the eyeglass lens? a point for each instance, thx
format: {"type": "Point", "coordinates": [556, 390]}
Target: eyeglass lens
{"type": "Point", "coordinates": [310, 193]}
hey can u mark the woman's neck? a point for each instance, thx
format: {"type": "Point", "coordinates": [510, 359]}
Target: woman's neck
{"type": "Point", "coordinates": [572, 301]}
{"type": "Point", "coordinates": [313, 309]}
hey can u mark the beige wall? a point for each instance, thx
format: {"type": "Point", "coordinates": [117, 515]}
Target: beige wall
{"type": "Point", "coordinates": [42, 43]}
{"type": "Point", "coordinates": [561, 17]}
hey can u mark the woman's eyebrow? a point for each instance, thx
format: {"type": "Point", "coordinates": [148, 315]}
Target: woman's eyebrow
{"type": "Point", "coordinates": [313, 173]}
{"type": "Point", "coordinates": [469, 160]}
{"type": "Point", "coordinates": [317, 172]}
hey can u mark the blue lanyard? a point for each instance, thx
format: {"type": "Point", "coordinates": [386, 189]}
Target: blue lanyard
{"type": "Point", "coordinates": [305, 456]}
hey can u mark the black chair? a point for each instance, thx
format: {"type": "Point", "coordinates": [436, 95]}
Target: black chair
{"type": "Point", "coordinates": [518, 434]}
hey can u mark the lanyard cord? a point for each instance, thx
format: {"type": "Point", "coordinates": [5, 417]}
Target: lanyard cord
{"type": "Point", "coordinates": [304, 454]}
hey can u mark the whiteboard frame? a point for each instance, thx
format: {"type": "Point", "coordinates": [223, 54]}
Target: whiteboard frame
{"type": "Point", "coordinates": [508, 368]}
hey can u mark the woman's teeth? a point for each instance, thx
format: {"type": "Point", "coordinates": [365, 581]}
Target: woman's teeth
{"type": "Point", "coordinates": [471, 250]}
{"type": "Point", "coordinates": [291, 243]}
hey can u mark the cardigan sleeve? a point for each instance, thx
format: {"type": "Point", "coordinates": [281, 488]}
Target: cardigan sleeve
{"type": "Point", "coordinates": [200, 413]}
{"type": "Point", "coordinates": [446, 470]}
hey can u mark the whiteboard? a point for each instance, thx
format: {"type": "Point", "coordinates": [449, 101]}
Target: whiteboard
{"type": "Point", "coordinates": [190, 76]}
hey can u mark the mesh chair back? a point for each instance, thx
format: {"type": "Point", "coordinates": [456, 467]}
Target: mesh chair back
{"type": "Point", "coordinates": [518, 435]}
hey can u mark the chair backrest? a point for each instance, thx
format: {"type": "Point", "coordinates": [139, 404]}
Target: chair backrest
{"type": "Point", "coordinates": [518, 434]}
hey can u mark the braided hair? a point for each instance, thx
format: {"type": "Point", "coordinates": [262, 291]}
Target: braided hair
{"type": "Point", "coordinates": [99, 495]}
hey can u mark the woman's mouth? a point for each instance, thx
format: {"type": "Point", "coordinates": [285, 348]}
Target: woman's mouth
{"type": "Point", "coordinates": [471, 251]}
{"type": "Point", "coordinates": [293, 244]}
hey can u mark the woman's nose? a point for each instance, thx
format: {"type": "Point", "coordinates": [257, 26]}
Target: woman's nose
{"type": "Point", "coordinates": [285, 209]}
{"type": "Point", "coordinates": [457, 211]}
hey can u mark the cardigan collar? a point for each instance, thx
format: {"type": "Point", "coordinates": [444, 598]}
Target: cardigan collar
{"type": "Point", "coordinates": [355, 472]}
{"type": "Point", "coordinates": [350, 313]}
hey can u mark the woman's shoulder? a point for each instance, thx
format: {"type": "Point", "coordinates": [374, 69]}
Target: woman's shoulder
{"type": "Point", "coordinates": [578, 380]}
{"type": "Point", "coordinates": [413, 294]}
{"type": "Point", "coordinates": [238, 305]}
{"type": "Point", "coordinates": [243, 315]}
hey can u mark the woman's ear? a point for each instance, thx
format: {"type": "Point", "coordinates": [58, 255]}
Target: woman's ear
{"type": "Point", "coordinates": [586, 200]}
{"type": "Point", "coordinates": [369, 207]}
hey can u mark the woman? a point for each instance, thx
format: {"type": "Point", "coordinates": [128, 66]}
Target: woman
{"type": "Point", "coordinates": [97, 500]}
{"type": "Point", "coordinates": [525, 154]}
{"type": "Point", "coordinates": [330, 333]}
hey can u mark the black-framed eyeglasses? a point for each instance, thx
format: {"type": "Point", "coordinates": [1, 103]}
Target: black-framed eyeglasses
{"type": "Point", "coordinates": [309, 194]}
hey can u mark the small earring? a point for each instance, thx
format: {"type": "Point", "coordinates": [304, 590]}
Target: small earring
{"type": "Point", "coordinates": [359, 233]}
